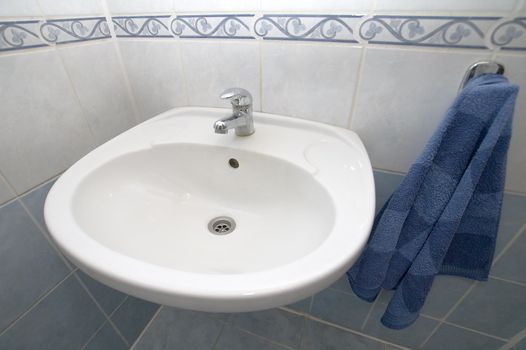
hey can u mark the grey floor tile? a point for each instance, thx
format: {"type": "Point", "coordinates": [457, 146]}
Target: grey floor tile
{"type": "Point", "coordinates": [182, 330]}
{"type": "Point", "coordinates": [341, 308]}
{"type": "Point", "coordinates": [318, 336]}
{"type": "Point", "coordinates": [454, 338]}
{"type": "Point", "coordinates": [132, 316]}
{"type": "Point", "coordinates": [106, 339]}
{"type": "Point", "coordinates": [281, 326]}
{"type": "Point", "coordinates": [511, 264]}
{"type": "Point", "coordinates": [494, 307]}
{"type": "Point", "coordinates": [301, 306]}
{"type": "Point", "coordinates": [512, 218]}
{"type": "Point", "coordinates": [29, 266]}
{"type": "Point", "coordinates": [411, 336]}
{"type": "Point", "coordinates": [34, 201]}
{"type": "Point", "coordinates": [342, 284]}
{"type": "Point", "coordinates": [65, 319]}
{"type": "Point", "coordinates": [221, 316]}
{"type": "Point", "coordinates": [445, 293]}
{"type": "Point", "coordinates": [108, 298]}
{"type": "Point", "coordinates": [521, 344]}
{"type": "Point", "coordinates": [236, 339]}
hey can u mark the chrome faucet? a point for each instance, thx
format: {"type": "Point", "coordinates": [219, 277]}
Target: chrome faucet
{"type": "Point", "coordinates": [241, 118]}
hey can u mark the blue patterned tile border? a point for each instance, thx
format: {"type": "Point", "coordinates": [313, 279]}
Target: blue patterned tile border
{"type": "Point", "coordinates": [329, 28]}
{"type": "Point", "coordinates": [225, 26]}
{"type": "Point", "coordinates": [510, 35]}
{"type": "Point", "coordinates": [18, 35]}
{"type": "Point", "coordinates": [461, 32]}
{"type": "Point", "coordinates": [142, 26]}
{"type": "Point", "coordinates": [63, 31]}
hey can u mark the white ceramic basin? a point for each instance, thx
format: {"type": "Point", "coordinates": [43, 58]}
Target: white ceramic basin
{"type": "Point", "coordinates": [134, 213]}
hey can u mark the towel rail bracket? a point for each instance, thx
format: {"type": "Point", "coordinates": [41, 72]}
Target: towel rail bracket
{"type": "Point", "coordinates": [482, 67]}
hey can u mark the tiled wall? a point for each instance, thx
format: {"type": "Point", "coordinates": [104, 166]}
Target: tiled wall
{"type": "Point", "coordinates": [75, 73]}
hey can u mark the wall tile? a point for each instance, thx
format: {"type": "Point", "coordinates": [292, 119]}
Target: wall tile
{"type": "Point", "coordinates": [316, 5]}
{"type": "Point", "coordinates": [29, 266]}
{"type": "Point", "coordinates": [156, 76]}
{"type": "Point", "coordinates": [71, 7]}
{"type": "Point", "coordinates": [344, 309]}
{"type": "Point", "coordinates": [402, 97]}
{"type": "Point", "coordinates": [132, 316]}
{"type": "Point", "coordinates": [34, 202]}
{"type": "Point", "coordinates": [320, 336]}
{"type": "Point", "coordinates": [511, 220]}
{"type": "Point", "coordinates": [180, 329]}
{"type": "Point", "coordinates": [19, 8]}
{"type": "Point", "coordinates": [411, 336]}
{"type": "Point", "coordinates": [236, 339]}
{"type": "Point", "coordinates": [100, 85]}
{"type": "Point", "coordinates": [385, 185]}
{"type": "Point", "coordinates": [42, 131]}
{"type": "Point", "coordinates": [280, 326]}
{"type": "Point", "coordinates": [5, 192]}
{"type": "Point", "coordinates": [106, 339]}
{"type": "Point", "coordinates": [312, 81]}
{"type": "Point", "coordinates": [447, 6]}
{"type": "Point", "coordinates": [108, 298]}
{"type": "Point", "coordinates": [516, 73]}
{"type": "Point", "coordinates": [494, 307]}
{"type": "Point", "coordinates": [139, 6]}
{"type": "Point", "coordinates": [66, 319]}
{"type": "Point", "coordinates": [215, 6]}
{"type": "Point", "coordinates": [212, 67]}
{"type": "Point", "coordinates": [454, 338]}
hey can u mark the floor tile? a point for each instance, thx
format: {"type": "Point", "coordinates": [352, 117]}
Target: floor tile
{"type": "Point", "coordinates": [301, 306]}
{"type": "Point", "coordinates": [411, 336]}
{"type": "Point", "coordinates": [236, 339]}
{"type": "Point", "coordinates": [106, 339]}
{"type": "Point", "coordinates": [454, 338]}
{"type": "Point", "coordinates": [321, 336]}
{"type": "Point", "coordinates": [494, 307]}
{"type": "Point", "coordinates": [344, 309]}
{"type": "Point", "coordinates": [132, 316]}
{"type": "Point", "coordinates": [29, 266]}
{"type": "Point", "coordinates": [65, 319]}
{"type": "Point", "coordinates": [281, 326]}
{"type": "Point", "coordinates": [342, 284]}
{"type": "Point", "coordinates": [521, 345]}
{"type": "Point", "coordinates": [513, 217]}
{"type": "Point", "coordinates": [108, 298]}
{"type": "Point", "coordinates": [511, 264]}
{"type": "Point", "coordinates": [182, 330]}
{"type": "Point", "coordinates": [445, 293]}
{"type": "Point", "coordinates": [34, 201]}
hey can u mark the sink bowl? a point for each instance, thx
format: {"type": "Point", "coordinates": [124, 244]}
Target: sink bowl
{"type": "Point", "coordinates": [173, 213]}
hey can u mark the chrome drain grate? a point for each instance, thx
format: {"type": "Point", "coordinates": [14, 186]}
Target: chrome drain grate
{"type": "Point", "coordinates": [221, 225]}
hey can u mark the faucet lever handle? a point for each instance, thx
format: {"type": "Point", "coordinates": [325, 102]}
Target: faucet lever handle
{"type": "Point", "coordinates": [237, 96]}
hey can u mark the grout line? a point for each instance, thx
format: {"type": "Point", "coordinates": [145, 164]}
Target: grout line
{"type": "Point", "coordinates": [370, 312]}
{"type": "Point", "coordinates": [514, 340]}
{"type": "Point", "coordinates": [145, 329]}
{"type": "Point", "coordinates": [522, 284]}
{"type": "Point", "coordinates": [108, 319]}
{"type": "Point", "coordinates": [475, 331]}
{"type": "Point", "coordinates": [219, 335]}
{"type": "Point", "coordinates": [23, 194]}
{"type": "Point", "coordinates": [508, 245]}
{"type": "Point", "coordinates": [36, 303]}
{"type": "Point", "coordinates": [93, 335]}
{"type": "Point", "coordinates": [183, 70]}
{"type": "Point", "coordinates": [357, 85]}
{"type": "Point", "coordinates": [264, 338]}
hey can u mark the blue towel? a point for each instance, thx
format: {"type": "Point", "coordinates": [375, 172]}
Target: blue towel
{"type": "Point", "coordinates": [444, 216]}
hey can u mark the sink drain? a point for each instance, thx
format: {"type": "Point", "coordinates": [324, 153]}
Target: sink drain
{"type": "Point", "coordinates": [221, 225]}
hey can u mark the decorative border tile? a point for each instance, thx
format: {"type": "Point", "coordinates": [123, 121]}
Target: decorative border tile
{"type": "Point", "coordinates": [329, 28]}
{"type": "Point", "coordinates": [63, 31]}
{"type": "Point", "coordinates": [438, 31]}
{"type": "Point", "coordinates": [225, 26]}
{"type": "Point", "coordinates": [510, 35]}
{"type": "Point", "coordinates": [18, 35]}
{"type": "Point", "coordinates": [142, 26]}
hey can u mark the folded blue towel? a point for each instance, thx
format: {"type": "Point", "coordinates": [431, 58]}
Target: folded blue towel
{"type": "Point", "coordinates": [444, 216]}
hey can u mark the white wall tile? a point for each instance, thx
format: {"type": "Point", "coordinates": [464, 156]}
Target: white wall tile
{"type": "Point", "coordinates": [403, 95]}
{"type": "Point", "coordinates": [311, 81]}
{"type": "Point", "coordinates": [212, 67]}
{"type": "Point", "coordinates": [5, 192]}
{"type": "Point", "coordinates": [516, 72]}
{"type": "Point", "coordinates": [447, 6]}
{"type": "Point", "coordinates": [212, 6]}
{"type": "Point", "coordinates": [316, 5]}
{"type": "Point", "coordinates": [98, 80]}
{"type": "Point", "coordinates": [139, 6]}
{"type": "Point", "coordinates": [19, 8]}
{"type": "Point", "coordinates": [156, 76]}
{"type": "Point", "coordinates": [42, 130]}
{"type": "Point", "coordinates": [52, 8]}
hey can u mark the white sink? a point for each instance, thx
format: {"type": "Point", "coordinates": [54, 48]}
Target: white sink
{"type": "Point", "coordinates": [134, 213]}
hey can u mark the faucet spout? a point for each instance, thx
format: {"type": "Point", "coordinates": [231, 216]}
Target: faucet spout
{"type": "Point", "coordinates": [241, 119]}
